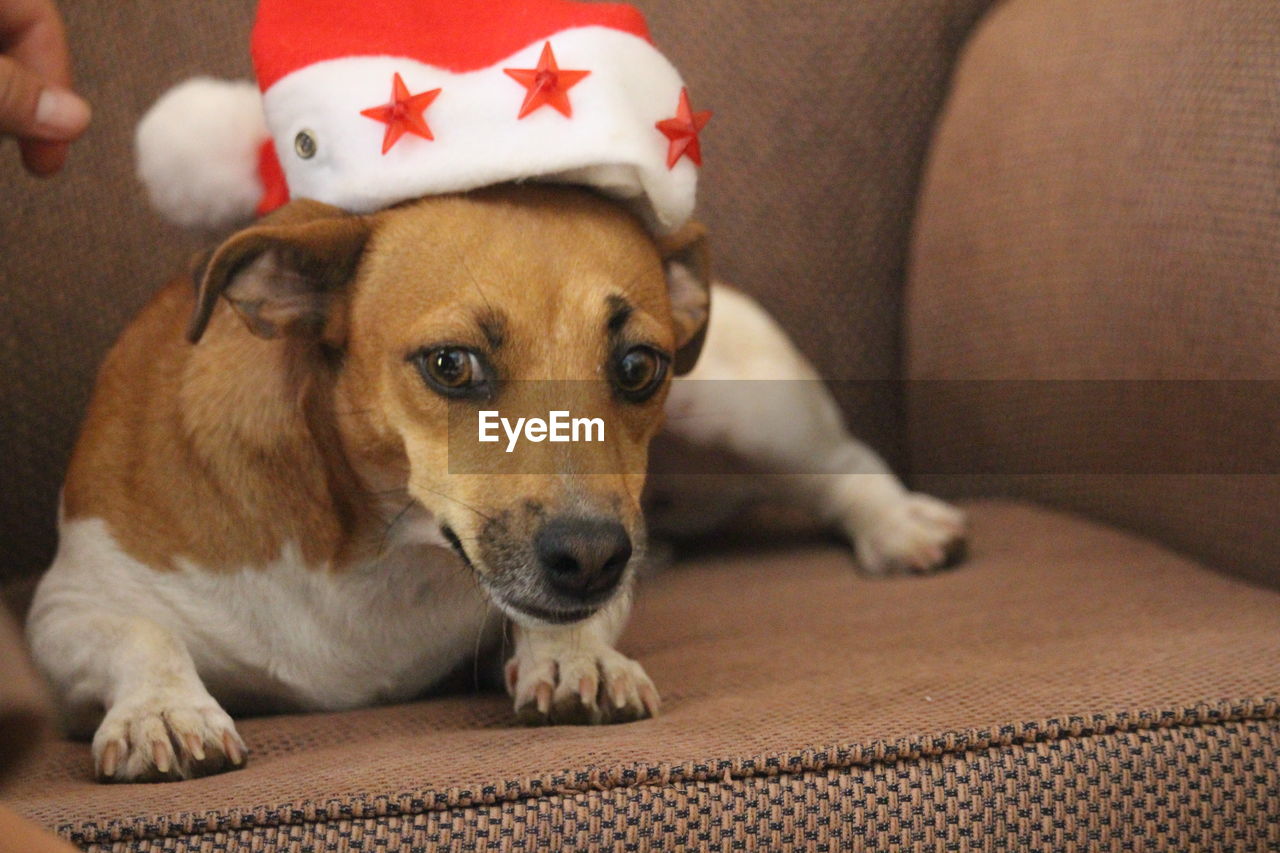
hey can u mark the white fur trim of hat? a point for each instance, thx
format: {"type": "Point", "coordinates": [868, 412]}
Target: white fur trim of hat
{"type": "Point", "coordinates": [367, 104]}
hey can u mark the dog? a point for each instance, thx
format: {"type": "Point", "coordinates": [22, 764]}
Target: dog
{"type": "Point", "coordinates": [289, 515]}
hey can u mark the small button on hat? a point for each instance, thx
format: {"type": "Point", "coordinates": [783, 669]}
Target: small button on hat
{"type": "Point", "coordinates": [366, 103]}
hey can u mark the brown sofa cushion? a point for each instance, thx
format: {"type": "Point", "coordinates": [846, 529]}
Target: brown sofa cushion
{"type": "Point", "coordinates": [1069, 686]}
{"type": "Point", "coordinates": [823, 116]}
{"type": "Point", "coordinates": [1101, 206]}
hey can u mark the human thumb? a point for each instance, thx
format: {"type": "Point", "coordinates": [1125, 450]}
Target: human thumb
{"type": "Point", "coordinates": [32, 109]}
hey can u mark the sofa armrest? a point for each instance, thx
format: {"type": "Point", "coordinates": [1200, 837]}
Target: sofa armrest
{"type": "Point", "coordinates": [24, 709]}
{"type": "Point", "coordinates": [1099, 213]}
{"type": "Point", "coordinates": [18, 835]}
{"type": "Point", "coordinates": [24, 724]}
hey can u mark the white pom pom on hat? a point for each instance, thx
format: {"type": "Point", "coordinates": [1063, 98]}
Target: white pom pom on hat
{"type": "Point", "coordinates": [367, 103]}
{"type": "Point", "coordinates": [198, 152]}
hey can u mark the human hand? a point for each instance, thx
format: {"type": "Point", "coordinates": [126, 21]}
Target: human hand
{"type": "Point", "coordinates": [36, 102]}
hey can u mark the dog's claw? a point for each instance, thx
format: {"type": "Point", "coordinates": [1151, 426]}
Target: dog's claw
{"type": "Point", "coordinates": [163, 734]}
{"type": "Point", "coordinates": [233, 750]}
{"type": "Point", "coordinates": [195, 746]}
{"type": "Point", "coordinates": [580, 688]}
{"type": "Point", "coordinates": [161, 756]}
{"type": "Point", "coordinates": [649, 696]}
{"type": "Point", "coordinates": [110, 760]}
{"type": "Point", "coordinates": [512, 671]}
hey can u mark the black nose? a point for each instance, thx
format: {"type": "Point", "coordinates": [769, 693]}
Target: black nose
{"type": "Point", "coordinates": [583, 557]}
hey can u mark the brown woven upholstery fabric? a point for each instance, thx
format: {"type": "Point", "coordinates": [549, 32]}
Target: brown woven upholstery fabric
{"type": "Point", "coordinates": [823, 117]}
{"type": "Point", "coordinates": [1101, 205]}
{"type": "Point", "coordinates": [1150, 789]}
{"type": "Point", "coordinates": [1070, 680]}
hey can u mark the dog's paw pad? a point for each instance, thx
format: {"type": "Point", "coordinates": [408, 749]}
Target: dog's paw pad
{"type": "Point", "coordinates": [917, 535]}
{"type": "Point", "coordinates": [165, 736]}
{"type": "Point", "coordinates": [580, 688]}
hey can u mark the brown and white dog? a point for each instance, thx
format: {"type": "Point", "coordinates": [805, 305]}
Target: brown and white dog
{"type": "Point", "coordinates": [272, 520]}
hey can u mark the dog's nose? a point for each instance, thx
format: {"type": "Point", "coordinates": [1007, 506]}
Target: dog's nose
{"type": "Point", "coordinates": [583, 557]}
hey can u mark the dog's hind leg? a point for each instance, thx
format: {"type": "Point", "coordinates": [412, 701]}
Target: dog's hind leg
{"type": "Point", "coordinates": [93, 634]}
{"type": "Point", "coordinates": [756, 399]}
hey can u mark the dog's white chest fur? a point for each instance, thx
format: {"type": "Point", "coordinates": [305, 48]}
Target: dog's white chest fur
{"type": "Point", "coordinates": [287, 636]}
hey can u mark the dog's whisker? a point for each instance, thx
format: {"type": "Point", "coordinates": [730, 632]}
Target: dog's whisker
{"type": "Point", "coordinates": [481, 626]}
{"type": "Point", "coordinates": [459, 502]}
{"type": "Point", "coordinates": [471, 276]}
{"type": "Point", "coordinates": [688, 416]}
{"type": "Point", "coordinates": [386, 493]}
{"type": "Point", "coordinates": [506, 643]}
{"type": "Point", "coordinates": [386, 534]}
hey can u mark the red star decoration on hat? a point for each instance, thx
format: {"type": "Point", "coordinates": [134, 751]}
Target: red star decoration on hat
{"type": "Point", "coordinates": [404, 114]}
{"type": "Point", "coordinates": [683, 132]}
{"type": "Point", "coordinates": [548, 85]}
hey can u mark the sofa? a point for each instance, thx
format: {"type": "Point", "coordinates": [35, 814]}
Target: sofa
{"type": "Point", "coordinates": [1034, 246]}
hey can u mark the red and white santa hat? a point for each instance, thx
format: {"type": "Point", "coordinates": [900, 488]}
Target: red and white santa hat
{"type": "Point", "coordinates": [366, 103]}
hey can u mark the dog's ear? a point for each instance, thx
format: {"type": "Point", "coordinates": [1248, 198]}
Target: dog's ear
{"type": "Point", "coordinates": [687, 260]}
{"type": "Point", "coordinates": [284, 274]}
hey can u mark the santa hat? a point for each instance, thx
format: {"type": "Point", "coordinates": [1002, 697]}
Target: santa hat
{"type": "Point", "coordinates": [366, 103]}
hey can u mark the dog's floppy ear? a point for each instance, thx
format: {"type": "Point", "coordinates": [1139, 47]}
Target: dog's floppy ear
{"type": "Point", "coordinates": [688, 263]}
{"type": "Point", "coordinates": [283, 274]}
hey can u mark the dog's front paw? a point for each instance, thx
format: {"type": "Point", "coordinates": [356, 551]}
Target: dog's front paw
{"type": "Point", "coordinates": [579, 686]}
{"type": "Point", "coordinates": [917, 534]}
{"type": "Point", "coordinates": [164, 735]}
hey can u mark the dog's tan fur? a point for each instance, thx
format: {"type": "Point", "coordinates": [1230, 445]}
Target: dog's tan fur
{"type": "Point", "coordinates": [224, 452]}
{"type": "Point", "coordinates": [184, 457]}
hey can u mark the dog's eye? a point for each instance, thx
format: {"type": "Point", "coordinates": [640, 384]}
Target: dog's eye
{"type": "Point", "coordinates": [639, 372]}
{"type": "Point", "coordinates": [453, 371]}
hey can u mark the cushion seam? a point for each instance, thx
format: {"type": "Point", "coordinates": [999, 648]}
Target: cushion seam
{"type": "Point", "coordinates": [638, 775]}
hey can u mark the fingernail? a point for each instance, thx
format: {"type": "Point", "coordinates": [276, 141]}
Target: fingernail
{"type": "Point", "coordinates": [61, 112]}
